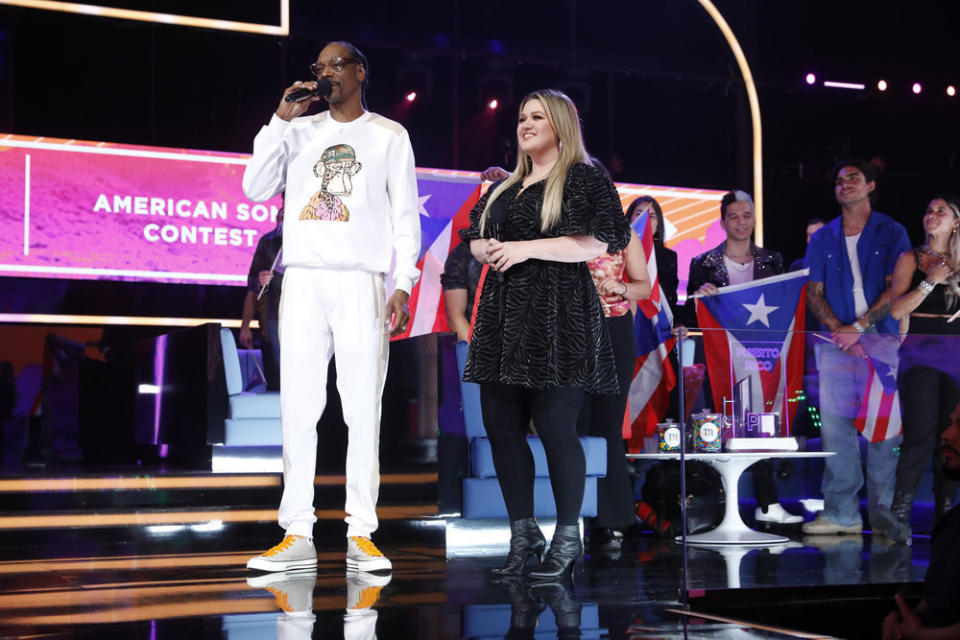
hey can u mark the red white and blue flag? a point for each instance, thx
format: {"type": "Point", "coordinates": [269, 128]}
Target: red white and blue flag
{"type": "Point", "coordinates": [879, 417]}
{"type": "Point", "coordinates": [653, 375]}
{"type": "Point", "coordinates": [755, 330]}
{"type": "Point", "coordinates": [445, 204]}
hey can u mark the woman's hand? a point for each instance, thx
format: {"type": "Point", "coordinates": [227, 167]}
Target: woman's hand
{"type": "Point", "coordinates": [503, 255]}
{"type": "Point", "coordinates": [938, 272]}
{"type": "Point", "coordinates": [613, 287]}
{"type": "Point", "coordinates": [479, 248]}
{"type": "Point", "coordinates": [707, 289]}
{"type": "Point", "coordinates": [492, 174]}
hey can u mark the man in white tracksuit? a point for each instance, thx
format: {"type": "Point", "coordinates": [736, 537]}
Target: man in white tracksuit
{"type": "Point", "coordinates": [351, 201]}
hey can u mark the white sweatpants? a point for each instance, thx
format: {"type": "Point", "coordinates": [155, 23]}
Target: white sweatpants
{"type": "Point", "coordinates": [322, 312]}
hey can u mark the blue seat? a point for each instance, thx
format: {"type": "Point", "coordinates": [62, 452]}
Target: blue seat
{"type": "Point", "coordinates": [481, 490]}
{"type": "Point", "coordinates": [252, 435]}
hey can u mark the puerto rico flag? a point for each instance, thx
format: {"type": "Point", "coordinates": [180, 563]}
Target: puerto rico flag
{"type": "Point", "coordinates": [879, 417]}
{"type": "Point", "coordinates": [445, 204]}
{"type": "Point", "coordinates": [653, 375]}
{"type": "Point", "coordinates": [755, 330]}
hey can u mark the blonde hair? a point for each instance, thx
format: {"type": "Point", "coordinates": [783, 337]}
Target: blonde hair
{"type": "Point", "coordinates": [952, 293]}
{"type": "Point", "coordinates": [563, 117]}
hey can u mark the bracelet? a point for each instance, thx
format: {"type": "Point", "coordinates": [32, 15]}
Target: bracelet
{"type": "Point", "coordinates": [926, 287]}
{"type": "Point", "coordinates": [624, 289]}
{"type": "Point", "coordinates": [859, 327]}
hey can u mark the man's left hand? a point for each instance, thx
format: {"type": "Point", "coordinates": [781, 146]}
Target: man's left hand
{"type": "Point", "coordinates": [397, 312]}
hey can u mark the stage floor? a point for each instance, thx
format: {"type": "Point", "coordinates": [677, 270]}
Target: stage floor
{"type": "Point", "coordinates": [169, 581]}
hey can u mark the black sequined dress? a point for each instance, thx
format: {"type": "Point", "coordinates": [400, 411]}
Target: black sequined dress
{"type": "Point", "coordinates": [550, 331]}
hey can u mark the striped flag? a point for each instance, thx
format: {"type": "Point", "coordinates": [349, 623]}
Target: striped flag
{"type": "Point", "coordinates": [653, 375]}
{"type": "Point", "coordinates": [879, 417]}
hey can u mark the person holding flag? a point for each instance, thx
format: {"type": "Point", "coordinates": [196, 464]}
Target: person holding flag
{"type": "Point", "coordinates": [654, 393]}
{"type": "Point", "coordinates": [736, 261]}
{"type": "Point", "coordinates": [621, 279]}
{"type": "Point", "coordinates": [851, 261]}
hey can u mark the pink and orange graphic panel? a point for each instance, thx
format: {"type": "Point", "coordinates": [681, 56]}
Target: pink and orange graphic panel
{"type": "Point", "coordinates": [96, 210]}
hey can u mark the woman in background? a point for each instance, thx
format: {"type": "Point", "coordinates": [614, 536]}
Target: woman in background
{"type": "Point", "coordinates": [925, 289]}
{"type": "Point", "coordinates": [666, 258]}
{"type": "Point", "coordinates": [602, 414]}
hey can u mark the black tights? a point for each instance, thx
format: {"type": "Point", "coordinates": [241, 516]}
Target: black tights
{"type": "Point", "coordinates": [507, 411]}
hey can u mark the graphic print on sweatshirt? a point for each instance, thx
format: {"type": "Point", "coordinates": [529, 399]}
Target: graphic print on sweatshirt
{"type": "Point", "coordinates": [336, 168]}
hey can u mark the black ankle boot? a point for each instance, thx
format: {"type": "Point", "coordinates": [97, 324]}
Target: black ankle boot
{"type": "Point", "coordinates": [526, 540]}
{"type": "Point", "coordinates": [525, 609]}
{"type": "Point", "coordinates": [565, 548]}
{"type": "Point", "coordinates": [558, 595]}
{"type": "Point", "coordinates": [901, 508]}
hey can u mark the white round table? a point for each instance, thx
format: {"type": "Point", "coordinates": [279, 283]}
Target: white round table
{"type": "Point", "coordinates": [732, 529]}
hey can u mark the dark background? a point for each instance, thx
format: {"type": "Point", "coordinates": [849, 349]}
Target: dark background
{"type": "Point", "coordinates": [661, 97]}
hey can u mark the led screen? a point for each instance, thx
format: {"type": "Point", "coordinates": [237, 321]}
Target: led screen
{"type": "Point", "coordinates": [96, 210]}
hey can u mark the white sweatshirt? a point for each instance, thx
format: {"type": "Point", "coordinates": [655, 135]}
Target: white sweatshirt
{"type": "Point", "coordinates": [350, 192]}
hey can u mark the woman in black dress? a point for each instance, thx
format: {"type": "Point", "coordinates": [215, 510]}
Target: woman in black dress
{"type": "Point", "coordinates": [539, 340]}
{"type": "Point", "coordinates": [925, 288]}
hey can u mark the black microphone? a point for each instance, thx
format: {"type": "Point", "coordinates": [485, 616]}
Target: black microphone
{"type": "Point", "coordinates": [324, 88]}
{"type": "Point", "coordinates": [498, 218]}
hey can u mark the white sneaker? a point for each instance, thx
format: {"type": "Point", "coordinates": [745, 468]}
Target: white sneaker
{"type": "Point", "coordinates": [363, 590]}
{"type": "Point", "coordinates": [823, 526]}
{"type": "Point", "coordinates": [293, 590]}
{"type": "Point", "coordinates": [293, 552]}
{"type": "Point", "coordinates": [363, 555]}
{"type": "Point", "coordinates": [776, 514]}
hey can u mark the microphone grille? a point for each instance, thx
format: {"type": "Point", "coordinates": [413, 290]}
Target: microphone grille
{"type": "Point", "coordinates": [324, 88]}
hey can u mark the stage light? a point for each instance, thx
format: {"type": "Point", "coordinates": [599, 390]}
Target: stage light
{"type": "Point", "coordinates": [917, 88]}
{"type": "Point", "coordinates": [493, 104]}
{"type": "Point", "coordinates": [283, 29]}
{"type": "Point", "coordinates": [882, 85]}
{"type": "Point", "coordinates": [414, 81]}
{"type": "Point", "coordinates": [951, 91]}
{"type": "Point", "coordinates": [844, 85]}
{"type": "Point", "coordinates": [811, 78]}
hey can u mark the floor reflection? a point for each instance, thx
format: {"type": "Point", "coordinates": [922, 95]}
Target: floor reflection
{"type": "Point", "coordinates": [141, 586]}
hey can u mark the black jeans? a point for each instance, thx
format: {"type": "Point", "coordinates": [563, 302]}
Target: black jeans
{"type": "Point", "coordinates": [927, 396]}
{"type": "Point", "coordinates": [507, 411]}
{"type": "Point", "coordinates": [602, 416]}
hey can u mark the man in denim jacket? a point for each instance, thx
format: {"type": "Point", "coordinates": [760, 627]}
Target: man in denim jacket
{"type": "Point", "coordinates": [851, 299]}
